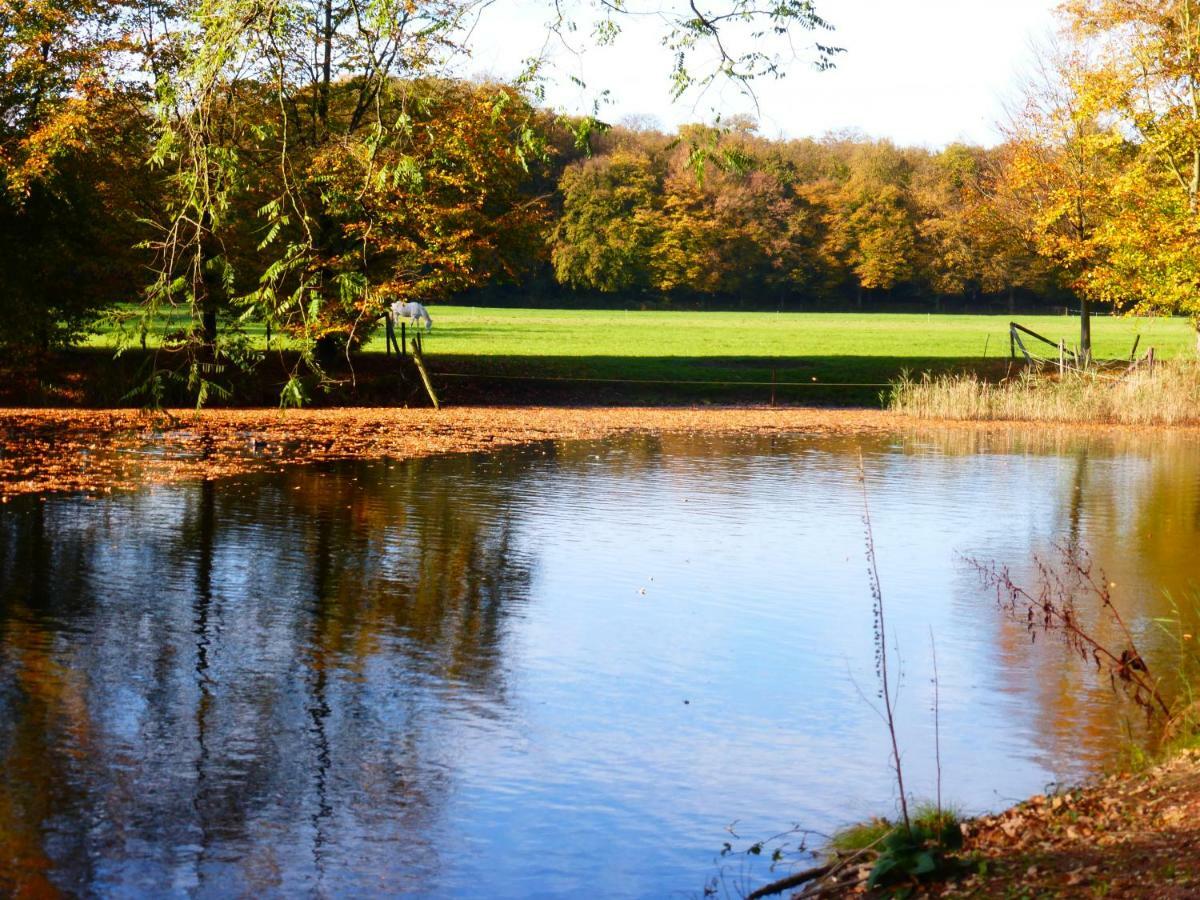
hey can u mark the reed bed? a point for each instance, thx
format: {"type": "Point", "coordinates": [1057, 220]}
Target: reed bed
{"type": "Point", "coordinates": [1167, 394]}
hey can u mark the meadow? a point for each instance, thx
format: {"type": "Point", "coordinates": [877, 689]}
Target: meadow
{"type": "Point", "coordinates": [472, 331]}
{"type": "Point", "coordinates": [658, 356]}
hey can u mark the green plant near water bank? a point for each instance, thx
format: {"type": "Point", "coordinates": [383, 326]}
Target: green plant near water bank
{"type": "Point", "coordinates": [903, 852]}
{"type": "Point", "coordinates": [1168, 394]}
{"type": "Point", "coordinates": [868, 835]}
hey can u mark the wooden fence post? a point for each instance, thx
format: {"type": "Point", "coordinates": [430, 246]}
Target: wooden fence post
{"type": "Point", "coordinates": [419, 359]}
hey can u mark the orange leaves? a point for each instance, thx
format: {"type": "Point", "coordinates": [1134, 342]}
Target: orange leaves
{"type": "Point", "coordinates": [62, 132]}
{"type": "Point", "coordinates": [59, 62]}
{"type": "Point", "coordinates": [1059, 174]}
{"type": "Point", "coordinates": [435, 207]}
{"type": "Point", "coordinates": [45, 448]}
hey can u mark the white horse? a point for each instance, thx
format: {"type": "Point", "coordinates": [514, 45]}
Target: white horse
{"type": "Point", "coordinates": [413, 311]}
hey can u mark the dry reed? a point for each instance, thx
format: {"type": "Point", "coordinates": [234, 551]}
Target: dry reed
{"type": "Point", "coordinates": [1168, 394]}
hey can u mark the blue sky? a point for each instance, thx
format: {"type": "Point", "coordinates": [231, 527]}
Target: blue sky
{"type": "Point", "coordinates": [924, 72]}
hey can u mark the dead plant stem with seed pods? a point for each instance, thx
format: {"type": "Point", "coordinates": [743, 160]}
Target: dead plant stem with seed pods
{"type": "Point", "coordinates": [882, 669]}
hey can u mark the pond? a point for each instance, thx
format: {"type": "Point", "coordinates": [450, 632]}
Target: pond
{"type": "Point", "coordinates": [570, 669]}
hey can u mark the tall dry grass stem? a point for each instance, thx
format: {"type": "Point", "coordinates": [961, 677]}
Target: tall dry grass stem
{"type": "Point", "coordinates": [937, 725]}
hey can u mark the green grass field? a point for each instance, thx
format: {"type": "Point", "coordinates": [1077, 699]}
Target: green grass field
{"type": "Point", "coordinates": [582, 333]}
{"type": "Point", "coordinates": [810, 355]}
{"type": "Point", "coordinates": [473, 331]}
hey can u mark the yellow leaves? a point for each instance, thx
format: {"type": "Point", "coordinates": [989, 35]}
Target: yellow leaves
{"type": "Point", "coordinates": [1146, 86]}
{"type": "Point", "coordinates": [64, 131]}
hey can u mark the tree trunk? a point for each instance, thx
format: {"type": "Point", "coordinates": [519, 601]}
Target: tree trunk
{"type": "Point", "coordinates": [1012, 300]}
{"type": "Point", "coordinates": [327, 350]}
{"type": "Point", "coordinates": [326, 72]}
{"type": "Point", "coordinates": [1085, 332]}
{"type": "Point", "coordinates": [210, 283]}
{"type": "Point", "coordinates": [208, 325]}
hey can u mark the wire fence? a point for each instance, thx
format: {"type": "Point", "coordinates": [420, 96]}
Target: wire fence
{"type": "Point", "coordinates": [583, 379]}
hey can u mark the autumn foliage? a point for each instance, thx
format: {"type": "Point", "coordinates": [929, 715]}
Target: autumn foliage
{"type": "Point", "coordinates": [303, 171]}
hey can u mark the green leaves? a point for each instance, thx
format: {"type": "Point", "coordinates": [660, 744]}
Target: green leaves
{"type": "Point", "coordinates": [916, 854]}
{"type": "Point", "coordinates": [294, 394]}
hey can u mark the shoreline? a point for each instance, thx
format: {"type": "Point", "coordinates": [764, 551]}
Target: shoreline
{"type": "Point", "coordinates": [99, 451]}
{"type": "Point", "coordinates": [1127, 834]}
{"type": "Point", "coordinates": [102, 450]}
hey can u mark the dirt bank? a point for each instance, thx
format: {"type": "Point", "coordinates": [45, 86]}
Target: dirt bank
{"type": "Point", "coordinates": [1126, 836]}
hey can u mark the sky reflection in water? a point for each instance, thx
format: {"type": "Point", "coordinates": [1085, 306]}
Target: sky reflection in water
{"type": "Point", "coordinates": [557, 670]}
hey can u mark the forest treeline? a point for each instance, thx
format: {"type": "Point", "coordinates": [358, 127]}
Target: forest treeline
{"type": "Point", "coordinates": [722, 213]}
{"type": "Point", "coordinates": [302, 164]}
{"type": "Point", "coordinates": [498, 198]}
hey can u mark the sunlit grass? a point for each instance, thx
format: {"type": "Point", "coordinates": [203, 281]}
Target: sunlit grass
{"type": "Point", "coordinates": [475, 331]}
{"type": "Point", "coordinates": [669, 356]}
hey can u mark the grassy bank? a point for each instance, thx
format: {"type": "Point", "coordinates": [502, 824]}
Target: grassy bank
{"type": "Point", "coordinates": [541, 333]}
{"type": "Point", "coordinates": [483, 355]}
{"type": "Point", "coordinates": [1168, 394]}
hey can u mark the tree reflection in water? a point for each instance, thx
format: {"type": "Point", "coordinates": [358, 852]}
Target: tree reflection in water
{"type": "Point", "coordinates": [200, 684]}
{"type": "Point", "coordinates": [390, 676]}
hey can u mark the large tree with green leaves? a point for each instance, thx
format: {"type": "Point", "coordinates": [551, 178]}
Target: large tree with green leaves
{"type": "Point", "coordinates": [610, 226]}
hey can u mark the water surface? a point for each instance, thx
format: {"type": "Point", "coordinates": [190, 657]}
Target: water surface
{"type": "Point", "coordinates": [554, 671]}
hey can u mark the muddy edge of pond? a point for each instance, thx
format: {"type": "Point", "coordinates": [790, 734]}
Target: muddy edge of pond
{"type": "Point", "coordinates": [1128, 835]}
{"type": "Point", "coordinates": [99, 451]}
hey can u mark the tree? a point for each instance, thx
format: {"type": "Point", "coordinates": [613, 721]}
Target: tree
{"type": "Point", "coordinates": [72, 140]}
{"type": "Point", "coordinates": [871, 229]}
{"type": "Point", "coordinates": [453, 213]}
{"type": "Point", "coordinates": [331, 70]}
{"type": "Point", "coordinates": [966, 243]}
{"type": "Point", "coordinates": [1059, 167]}
{"type": "Point", "coordinates": [610, 226]}
{"type": "Point", "coordinates": [1147, 84]}
{"type": "Point", "coordinates": [734, 225]}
